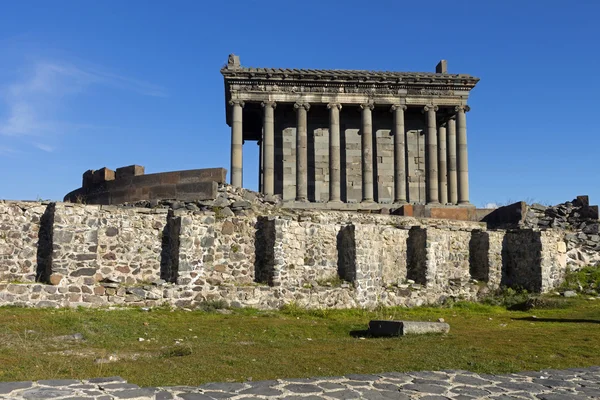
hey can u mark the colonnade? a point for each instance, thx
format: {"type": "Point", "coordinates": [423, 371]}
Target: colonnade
{"type": "Point", "coordinates": [446, 159]}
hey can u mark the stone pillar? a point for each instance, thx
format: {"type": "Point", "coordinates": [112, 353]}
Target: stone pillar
{"type": "Point", "coordinates": [335, 166]}
{"type": "Point", "coordinates": [452, 179]}
{"type": "Point", "coordinates": [442, 174]}
{"type": "Point", "coordinates": [399, 154]}
{"type": "Point", "coordinates": [367, 152]}
{"type": "Point", "coordinates": [269, 148]}
{"type": "Point", "coordinates": [237, 141]}
{"type": "Point", "coordinates": [462, 157]}
{"type": "Point", "coordinates": [301, 151]}
{"type": "Point", "coordinates": [431, 159]}
{"type": "Point", "coordinates": [260, 165]}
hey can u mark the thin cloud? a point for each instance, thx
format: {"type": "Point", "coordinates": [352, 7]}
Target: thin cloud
{"type": "Point", "coordinates": [44, 147]}
{"type": "Point", "coordinates": [33, 102]}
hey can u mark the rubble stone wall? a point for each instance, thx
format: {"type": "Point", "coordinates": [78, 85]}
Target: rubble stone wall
{"type": "Point", "coordinates": [88, 255]}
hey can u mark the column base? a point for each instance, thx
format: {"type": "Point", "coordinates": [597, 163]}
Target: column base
{"type": "Point", "coordinates": [400, 202]}
{"type": "Point", "coordinates": [335, 202]}
{"type": "Point", "coordinates": [301, 199]}
{"type": "Point", "coordinates": [367, 201]}
{"type": "Point", "coordinates": [465, 204]}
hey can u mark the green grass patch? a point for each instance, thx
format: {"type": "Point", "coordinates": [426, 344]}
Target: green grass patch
{"type": "Point", "coordinates": [176, 347]}
{"type": "Point", "coordinates": [585, 280]}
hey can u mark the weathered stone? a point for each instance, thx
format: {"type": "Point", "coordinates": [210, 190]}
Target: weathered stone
{"type": "Point", "coordinates": [401, 328]}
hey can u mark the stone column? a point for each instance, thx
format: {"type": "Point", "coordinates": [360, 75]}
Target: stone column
{"type": "Point", "coordinates": [442, 174]}
{"type": "Point", "coordinates": [237, 141]}
{"type": "Point", "coordinates": [399, 154]}
{"type": "Point", "coordinates": [462, 156]}
{"type": "Point", "coordinates": [335, 166]}
{"type": "Point", "coordinates": [367, 152]}
{"type": "Point", "coordinates": [431, 159]}
{"type": "Point", "coordinates": [260, 164]}
{"type": "Point", "coordinates": [269, 148]}
{"type": "Point", "coordinates": [452, 184]}
{"type": "Point", "coordinates": [301, 152]}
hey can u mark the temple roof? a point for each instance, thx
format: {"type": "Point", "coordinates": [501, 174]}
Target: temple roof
{"type": "Point", "coordinates": [233, 70]}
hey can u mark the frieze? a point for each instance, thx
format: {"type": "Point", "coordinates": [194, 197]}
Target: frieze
{"type": "Point", "coordinates": [430, 92]}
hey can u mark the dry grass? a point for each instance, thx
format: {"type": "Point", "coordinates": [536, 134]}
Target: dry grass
{"type": "Point", "coordinates": [189, 348]}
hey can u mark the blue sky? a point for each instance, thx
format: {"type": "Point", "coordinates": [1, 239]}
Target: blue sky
{"type": "Point", "coordinates": [87, 84]}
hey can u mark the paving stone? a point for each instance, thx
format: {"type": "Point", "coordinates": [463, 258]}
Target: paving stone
{"type": "Point", "coordinates": [557, 396]}
{"type": "Point", "coordinates": [386, 386]}
{"type": "Point", "coordinates": [118, 386]}
{"type": "Point", "coordinates": [195, 396]}
{"type": "Point", "coordinates": [470, 391]}
{"type": "Point", "coordinates": [554, 383]}
{"type": "Point", "coordinates": [362, 377]}
{"type": "Point", "coordinates": [45, 393]}
{"type": "Point", "coordinates": [303, 380]}
{"type": "Point", "coordinates": [133, 393]}
{"type": "Point", "coordinates": [357, 383]}
{"type": "Point", "coordinates": [434, 398]}
{"type": "Point", "coordinates": [344, 394]}
{"type": "Point", "coordinates": [524, 386]}
{"type": "Point", "coordinates": [471, 380]}
{"type": "Point", "coordinates": [106, 380]}
{"type": "Point", "coordinates": [7, 387]}
{"type": "Point", "coordinates": [420, 381]}
{"type": "Point", "coordinates": [262, 391]}
{"type": "Point", "coordinates": [163, 395]}
{"type": "Point", "coordinates": [396, 375]}
{"type": "Point", "coordinates": [219, 395]}
{"type": "Point", "coordinates": [435, 389]}
{"type": "Point", "coordinates": [429, 375]}
{"type": "Point", "coordinates": [58, 382]}
{"type": "Point", "coordinates": [331, 385]}
{"type": "Point", "coordinates": [302, 388]}
{"type": "Point", "coordinates": [301, 398]}
{"type": "Point", "coordinates": [263, 383]}
{"type": "Point", "coordinates": [225, 387]}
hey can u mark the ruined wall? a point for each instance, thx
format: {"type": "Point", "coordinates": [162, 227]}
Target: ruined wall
{"type": "Point", "coordinates": [80, 255]}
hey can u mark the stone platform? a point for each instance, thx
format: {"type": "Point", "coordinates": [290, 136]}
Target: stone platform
{"type": "Point", "coordinates": [576, 383]}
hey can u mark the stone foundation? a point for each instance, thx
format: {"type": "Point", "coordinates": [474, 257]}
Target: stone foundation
{"type": "Point", "coordinates": [72, 255]}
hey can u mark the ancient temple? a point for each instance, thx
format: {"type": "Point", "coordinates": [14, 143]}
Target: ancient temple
{"type": "Point", "coordinates": [352, 136]}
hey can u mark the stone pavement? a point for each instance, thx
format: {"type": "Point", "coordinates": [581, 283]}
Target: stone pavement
{"type": "Point", "coordinates": [576, 383]}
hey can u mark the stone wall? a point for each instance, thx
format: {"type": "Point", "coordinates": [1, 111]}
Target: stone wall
{"type": "Point", "coordinates": [351, 154]}
{"type": "Point", "coordinates": [130, 184]}
{"type": "Point", "coordinates": [83, 255]}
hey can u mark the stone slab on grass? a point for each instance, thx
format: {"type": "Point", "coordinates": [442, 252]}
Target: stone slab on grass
{"type": "Point", "coordinates": [402, 328]}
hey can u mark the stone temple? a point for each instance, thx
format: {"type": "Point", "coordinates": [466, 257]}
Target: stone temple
{"type": "Point", "coordinates": [343, 136]}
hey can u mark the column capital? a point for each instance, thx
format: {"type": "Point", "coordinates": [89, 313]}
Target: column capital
{"type": "Point", "coordinates": [336, 105]}
{"type": "Point", "coordinates": [236, 103]}
{"type": "Point", "coordinates": [368, 105]}
{"type": "Point", "coordinates": [299, 104]}
{"type": "Point", "coordinates": [430, 108]}
{"type": "Point", "coordinates": [464, 108]}
{"type": "Point", "coordinates": [395, 107]}
{"type": "Point", "coordinates": [271, 104]}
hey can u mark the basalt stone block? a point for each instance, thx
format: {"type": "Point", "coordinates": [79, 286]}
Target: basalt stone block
{"type": "Point", "coordinates": [130, 170]}
{"type": "Point", "coordinates": [197, 191]}
{"type": "Point", "coordinates": [103, 175]}
{"type": "Point", "coordinates": [401, 328]}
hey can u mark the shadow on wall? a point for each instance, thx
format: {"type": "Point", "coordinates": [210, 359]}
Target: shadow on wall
{"type": "Point", "coordinates": [479, 262]}
{"type": "Point", "coordinates": [45, 245]}
{"type": "Point", "coordinates": [416, 263]}
{"type": "Point", "coordinates": [522, 260]}
{"type": "Point", "coordinates": [264, 260]}
{"type": "Point", "coordinates": [169, 255]}
{"type": "Point", "coordinates": [346, 248]}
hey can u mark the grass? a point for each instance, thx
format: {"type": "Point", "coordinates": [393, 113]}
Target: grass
{"type": "Point", "coordinates": [190, 348]}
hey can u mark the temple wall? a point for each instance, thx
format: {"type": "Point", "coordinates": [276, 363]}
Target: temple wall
{"type": "Point", "coordinates": [351, 158]}
{"type": "Point", "coordinates": [104, 255]}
